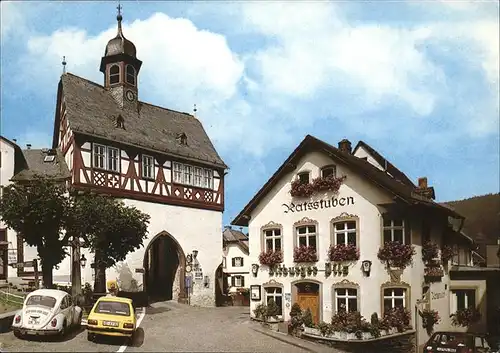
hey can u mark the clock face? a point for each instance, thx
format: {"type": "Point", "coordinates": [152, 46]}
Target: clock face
{"type": "Point", "coordinates": [130, 95]}
{"type": "Point", "coordinates": [188, 268]}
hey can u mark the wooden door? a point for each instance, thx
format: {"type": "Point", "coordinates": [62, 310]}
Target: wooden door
{"type": "Point", "coordinates": [311, 301]}
{"type": "Point", "coordinates": [4, 254]}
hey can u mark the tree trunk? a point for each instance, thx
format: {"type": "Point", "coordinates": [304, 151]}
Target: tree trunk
{"type": "Point", "coordinates": [47, 276]}
{"type": "Point", "coordinates": [76, 275]}
{"type": "Point", "coordinates": [100, 273]}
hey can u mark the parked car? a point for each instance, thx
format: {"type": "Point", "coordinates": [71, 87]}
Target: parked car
{"type": "Point", "coordinates": [112, 316]}
{"type": "Point", "coordinates": [457, 342]}
{"type": "Point", "coordinates": [47, 312]}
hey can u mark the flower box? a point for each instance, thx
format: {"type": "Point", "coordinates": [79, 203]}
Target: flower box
{"type": "Point", "coordinates": [434, 272]}
{"type": "Point", "coordinates": [396, 254]}
{"type": "Point", "coordinates": [270, 257]}
{"type": "Point", "coordinates": [305, 254]}
{"type": "Point", "coordinates": [329, 183]}
{"type": "Point", "coordinates": [301, 189]}
{"type": "Point", "coordinates": [311, 331]}
{"type": "Point", "coordinates": [343, 252]}
{"type": "Point", "coordinates": [366, 336]}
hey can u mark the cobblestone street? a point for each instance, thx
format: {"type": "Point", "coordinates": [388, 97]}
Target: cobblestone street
{"type": "Point", "coordinates": [173, 327]}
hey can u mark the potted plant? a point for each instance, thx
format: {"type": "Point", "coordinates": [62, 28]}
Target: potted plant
{"type": "Point", "coordinates": [307, 319]}
{"type": "Point", "coordinates": [429, 319]}
{"type": "Point", "coordinates": [305, 254]}
{"type": "Point", "coordinates": [328, 183]}
{"type": "Point", "coordinates": [395, 254]}
{"type": "Point", "coordinates": [271, 257]}
{"type": "Point", "coordinates": [300, 189]}
{"type": "Point", "coordinates": [296, 320]}
{"type": "Point", "coordinates": [433, 273]}
{"type": "Point", "coordinates": [397, 319]}
{"type": "Point", "coordinates": [447, 254]}
{"type": "Point", "coordinates": [465, 317]}
{"type": "Point", "coordinates": [343, 252]}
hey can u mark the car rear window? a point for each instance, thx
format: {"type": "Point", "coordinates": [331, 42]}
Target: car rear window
{"type": "Point", "coordinates": [114, 308]}
{"type": "Point", "coordinates": [452, 339]}
{"type": "Point", "coordinates": [41, 300]}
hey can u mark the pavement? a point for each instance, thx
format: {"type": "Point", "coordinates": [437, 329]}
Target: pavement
{"type": "Point", "coordinates": [174, 327]}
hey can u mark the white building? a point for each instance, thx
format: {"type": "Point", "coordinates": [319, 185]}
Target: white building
{"type": "Point", "coordinates": [375, 203]}
{"type": "Point", "coordinates": [156, 159]}
{"type": "Point", "coordinates": [235, 260]}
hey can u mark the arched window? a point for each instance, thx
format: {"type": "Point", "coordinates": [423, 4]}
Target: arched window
{"type": "Point", "coordinates": [130, 75]}
{"type": "Point", "coordinates": [114, 74]}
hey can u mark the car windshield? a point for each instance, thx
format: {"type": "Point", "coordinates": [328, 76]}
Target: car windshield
{"type": "Point", "coordinates": [114, 308]}
{"type": "Point", "coordinates": [41, 300]}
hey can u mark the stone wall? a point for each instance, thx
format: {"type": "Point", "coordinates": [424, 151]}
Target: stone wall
{"type": "Point", "coordinates": [398, 343]}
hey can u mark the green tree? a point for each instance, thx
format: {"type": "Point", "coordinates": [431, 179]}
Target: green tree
{"type": "Point", "coordinates": [110, 229]}
{"type": "Point", "coordinates": [36, 211]}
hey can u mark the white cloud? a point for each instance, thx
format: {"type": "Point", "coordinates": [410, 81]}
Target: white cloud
{"type": "Point", "coordinates": [12, 19]}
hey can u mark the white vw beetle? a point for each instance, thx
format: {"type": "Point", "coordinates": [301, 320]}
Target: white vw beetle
{"type": "Point", "coordinates": [47, 312]}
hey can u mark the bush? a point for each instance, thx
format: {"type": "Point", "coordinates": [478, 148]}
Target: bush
{"type": "Point", "coordinates": [307, 318]}
{"type": "Point", "coordinates": [325, 328]}
{"type": "Point", "coordinates": [398, 318]}
{"type": "Point", "coordinates": [296, 320]}
{"type": "Point", "coordinates": [272, 309]}
{"type": "Point", "coordinates": [465, 317]}
{"type": "Point", "coordinates": [260, 312]}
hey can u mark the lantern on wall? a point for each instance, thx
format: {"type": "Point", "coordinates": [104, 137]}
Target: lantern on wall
{"type": "Point", "coordinates": [255, 269]}
{"type": "Point", "coordinates": [366, 266]}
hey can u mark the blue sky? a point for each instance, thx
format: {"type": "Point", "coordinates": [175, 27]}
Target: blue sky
{"type": "Point", "coordinates": [418, 81]}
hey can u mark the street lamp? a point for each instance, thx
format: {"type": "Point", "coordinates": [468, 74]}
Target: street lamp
{"type": "Point", "coordinates": [83, 261]}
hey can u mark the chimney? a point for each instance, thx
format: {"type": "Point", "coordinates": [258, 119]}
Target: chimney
{"type": "Point", "coordinates": [345, 146]}
{"type": "Point", "coordinates": [424, 189]}
{"type": "Point", "coordinates": [28, 145]}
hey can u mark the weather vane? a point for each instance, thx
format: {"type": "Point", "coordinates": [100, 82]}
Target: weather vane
{"type": "Point", "coordinates": [119, 8]}
{"type": "Point", "coordinates": [194, 109]}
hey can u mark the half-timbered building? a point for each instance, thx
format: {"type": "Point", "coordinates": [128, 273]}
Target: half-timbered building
{"type": "Point", "coordinates": [156, 159]}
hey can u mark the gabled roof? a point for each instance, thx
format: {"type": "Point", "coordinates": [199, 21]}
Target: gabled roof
{"type": "Point", "coordinates": [389, 167]}
{"type": "Point", "coordinates": [91, 110]}
{"type": "Point", "coordinates": [232, 236]}
{"type": "Point", "coordinates": [36, 165]}
{"type": "Point", "coordinates": [400, 190]}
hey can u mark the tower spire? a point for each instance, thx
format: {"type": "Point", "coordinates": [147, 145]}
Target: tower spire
{"type": "Point", "coordinates": [64, 64]}
{"type": "Point", "coordinates": [195, 110]}
{"type": "Point", "coordinates": [119, 17]}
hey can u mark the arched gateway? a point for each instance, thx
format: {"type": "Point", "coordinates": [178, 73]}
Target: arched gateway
{"type": "Point", "coordinates": [165, 269]}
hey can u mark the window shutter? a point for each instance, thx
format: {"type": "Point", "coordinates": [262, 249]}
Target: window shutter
{"type": "Point", "coordinates": [232, 281]}
{"type": "Point", "coordinates": [233, 261]}
{"type": "Point", "coordinates": [243, 281]}
{"type": "Point", "coordinates": [241, 261]}
{"type": "Point", "coordinates": [407, 233]}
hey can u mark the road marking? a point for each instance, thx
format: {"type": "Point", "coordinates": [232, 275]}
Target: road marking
{"type": "Point", "coordinates": [139, 320]}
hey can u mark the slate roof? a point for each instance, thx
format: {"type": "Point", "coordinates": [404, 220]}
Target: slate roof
{"type": "Point", "coordinates": [33, 165]}
{"type": "Point", "coordinates": [91, 110]}
{"type": "Point", "coordinates": [235, 236]}
{"type": "Point", "coordinates": [389, 167]}
{"type": "Point", "coordinates": [402, 191]}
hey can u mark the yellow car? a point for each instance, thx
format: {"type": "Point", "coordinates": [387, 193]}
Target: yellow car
{"type": "Point", "coordinates": [111, 316]}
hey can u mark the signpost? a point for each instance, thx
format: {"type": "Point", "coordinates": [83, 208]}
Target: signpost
{"type": "Point", "coordinates": [33, 264]}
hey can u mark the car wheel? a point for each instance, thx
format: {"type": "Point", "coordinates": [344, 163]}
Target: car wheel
{"type": "Point", "coordinates": [64, 328]}
{"type": "Point", "coordinates": [90, 337]}
{"type": "Point", "coordinates": [18, 334]}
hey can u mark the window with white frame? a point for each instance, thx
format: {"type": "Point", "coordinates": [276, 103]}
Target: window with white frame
{"type": "Point", "coordinates": [114, 74]}
{"type": "Point", "coordinates": [346, 299]}
{"type": "Point", "coordinates": [306, 236]}
{"type": "Point", "coordinates": [237, 261]}
{"type": "Point", "coordinates": [394, 230]}
{"type": "Point", "coordinates": [112, 159]}
{"type": "Point", "coordinates": [462, 299]}
{"type": "Point", "coordinates": [344, 232]}
{"type": "Point", "coordinates": [198, 176]}
{"type": "Point", "coordinates": [275, 293]}
{"type": "Point", "coordinates": [394, 298]}
{"type": "Point", "coordinates": [99, 156]}
{"type": "Point", "coordinates": [329, 171]}
{"type": "Point", "coordinates": [188, 175]}
{"type": "Point", "coordinates": [178, 173]}
{"type": "Point", "coordinates": [208, 179]}
{"type": "Point", "coordinates": [272, 239]}
{"type": "Point", "coordinates": [303, 177]}
{"type": "Point", "coordinates": [237, 281]}
{"type": "Point", "coordinates": [148, 167]}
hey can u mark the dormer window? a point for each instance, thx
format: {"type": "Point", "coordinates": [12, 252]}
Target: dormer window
{"type": "Point", "coordinates": [303, 177]}
{"type": "Point", "coordinates": [329, 171]}
{"type": "Point", "coordinates": [120, 122]}
{"type": "Point", "coordinates": [130, 75]}
{"type": "Point", "coordinates": [181, 138]}
{"type": "Point", "coordinates": [114, 74]}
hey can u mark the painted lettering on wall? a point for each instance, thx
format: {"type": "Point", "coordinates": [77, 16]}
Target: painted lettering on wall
{"type": "Point", "coordinates": [438, 295]}
{"type": "Point", "coordinates": [321, 204]}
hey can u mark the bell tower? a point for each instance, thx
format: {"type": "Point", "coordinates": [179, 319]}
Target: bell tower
{"type": "Point", "coordinates": [120, 67]}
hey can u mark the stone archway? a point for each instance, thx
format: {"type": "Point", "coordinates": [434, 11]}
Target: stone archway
{"type": "Point", "coordinates": [164, 269]}
{"type": "Point", "coordinates": [220, 286]}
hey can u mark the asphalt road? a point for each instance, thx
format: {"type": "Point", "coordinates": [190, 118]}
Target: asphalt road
{"type": "Point", "coordinates": [173, 327]}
